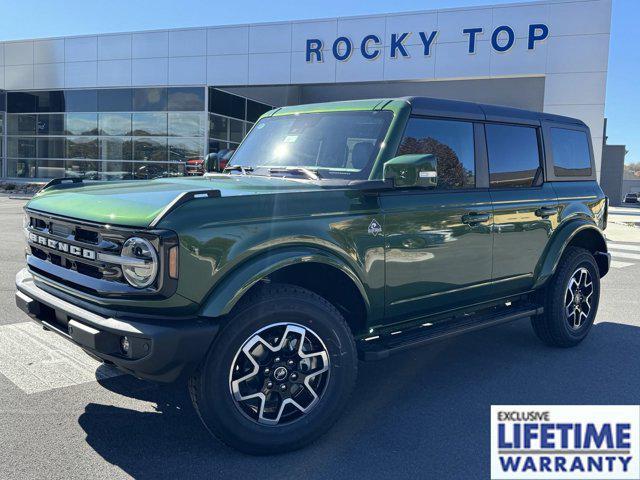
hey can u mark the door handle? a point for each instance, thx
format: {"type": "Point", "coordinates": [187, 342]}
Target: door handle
{"type": "Point", "coordinates": [474, 218]}
{"type": "Point", "coordinates": [546, 212]}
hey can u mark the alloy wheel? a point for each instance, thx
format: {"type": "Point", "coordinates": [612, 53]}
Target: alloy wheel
{"type": "Point", "coordinates": [578, 298]}
{"type": "Point", "coordinates": [279, 374]}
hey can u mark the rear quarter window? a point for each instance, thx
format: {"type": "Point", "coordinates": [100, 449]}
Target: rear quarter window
{"type": "Point", "coordinates": [571, 154]}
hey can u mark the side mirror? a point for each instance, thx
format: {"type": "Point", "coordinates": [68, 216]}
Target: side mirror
{"type": "Point", "coordinates": [412, 171]}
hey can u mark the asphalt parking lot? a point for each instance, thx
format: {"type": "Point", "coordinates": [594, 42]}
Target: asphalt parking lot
{"type": "Point", "coordinates": [424, 413]}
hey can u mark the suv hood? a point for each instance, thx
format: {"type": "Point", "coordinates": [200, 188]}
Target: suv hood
{"type": "Point", "coordinates": [136, 203]}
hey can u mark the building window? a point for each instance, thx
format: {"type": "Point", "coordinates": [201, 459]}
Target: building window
{"type": "Point", "coordinates": [114, 124]}
{"type": "Point", "coordinates": [186, 99]}
{"type": "Point", "coordinates": [451, 142]}
{"type": "Point", "coordinates": [81, 124]}
{"type": "Point", "coordinates": [150, 99]}
{"type": "Point", "coordinates": [571, 154]}
{"type": "Point", "coordinates": [149, 124]}
{"type": "Point", "coordinates": [186, 124]}
{"type": "Point", "coordinates": [514, 156]}
{"type": "Point", "coordinates": [115, 100]}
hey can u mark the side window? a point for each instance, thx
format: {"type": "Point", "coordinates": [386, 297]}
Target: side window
{"type": "Point", "coordinates": [571, 155]}
{"type": "Point", "coordinates": [451, 142]}
{"type": "Point", "coordinates": [514, 156]}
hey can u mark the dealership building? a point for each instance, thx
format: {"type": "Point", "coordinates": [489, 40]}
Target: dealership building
{"type": "Point", "coordinates": [139, 104]}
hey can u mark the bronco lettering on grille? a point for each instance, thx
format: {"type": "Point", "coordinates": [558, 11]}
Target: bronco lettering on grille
{"type": "Point", "coordinates": [62, 247]}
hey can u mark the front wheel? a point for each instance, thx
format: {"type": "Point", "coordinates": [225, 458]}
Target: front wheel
{"type": "Point", "coordinates": [570, 300]}
{"type": "Point", "coordinates": [279, 374]}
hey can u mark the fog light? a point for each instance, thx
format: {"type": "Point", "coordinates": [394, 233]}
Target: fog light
{"type": "Point", "coordinates": [125, 345]}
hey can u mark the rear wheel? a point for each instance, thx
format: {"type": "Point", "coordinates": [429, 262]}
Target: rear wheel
{"type": "Point", "coordinates": [570, 300]}
{"type": "Point", "coordinates": [279, 374]}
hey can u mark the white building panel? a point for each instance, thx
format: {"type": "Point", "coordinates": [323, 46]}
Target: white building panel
{"type": "Point", "coordinates": [81, 49]}
{"type": "Point", "coordinates": [80, 74]}
{"type": "Point", "coordinates": [48, 75]}
{"type": "Point", "coordinates": [18, 53]}
{"type": "Point", "coordinates": [578, 53]}
{"type": "Point", "coordinates": [1, 53]}
{"type": "Point", "coordinates": [184, 43]}
{"type": "Point", "coordinates": [187, 70]}
{"type": "Point", "coordinates": [270, 38]}
{"type": "Point", "coordinates": [114, 47]}
{"type": "Point", "coordinates": [359, 69]}
{"type": "Point", "coordinates": [269, 68]}
{"type": "Point", "coordinates": [454, 61]}
{"type": "Point", "coordinates": [519, 60]}
{"type": "Point", "coordinates": [49, 51]}
{"type": "Point", "coordinates": [114, 73]}
{"type": "Point", "coordinates": [580, 18]}
{"type": "Point", "coordinates": [519, 17]}
{"type": "Point", "coordinates": [316, 72]}
{"type": "Point", "coordinates": [149, 71]}
{"type": "Point", "coordinates": [575, 88]}
{"type": "Point", "coordinates": [150, 45]}
{"type": "Point", "coordinates": [228, 40]}
{"type": "Point", "coordinates": [326, 30]}
{"type": "Point", "coordinates": [18, 77]}
{"type": "Point", "coordinates": [227, 70]}
{"type": "Point", "coordinates": [417, 66]}
{"type": "Point", "coordinates": [357, 28]}
{"type": "Point", "coordinates": [2, 76]}
{"type": "Point", "coordinates": [451, 24]}
{"type": "Point", "coordinates": [422, 22]}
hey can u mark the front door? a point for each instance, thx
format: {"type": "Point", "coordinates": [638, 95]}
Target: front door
{"type": "Point", "coordinates": [437, 241]}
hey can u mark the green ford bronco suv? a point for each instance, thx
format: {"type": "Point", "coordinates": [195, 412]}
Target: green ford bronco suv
{"type": "Point", "coordinates": [337, 231]}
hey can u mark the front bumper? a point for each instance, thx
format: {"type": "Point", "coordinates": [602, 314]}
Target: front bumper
{"type": "Point", "coordinates": [162, 349]}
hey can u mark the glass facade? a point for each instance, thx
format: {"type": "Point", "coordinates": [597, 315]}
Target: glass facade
{"type": "Point", "coordinates": [110, 134]}
{"type": "Point", "coordinates": [118, 133]}
{"type": "Point", "coordinates": [230, 119]}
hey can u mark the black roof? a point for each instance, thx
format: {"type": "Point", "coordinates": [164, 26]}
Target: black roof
{"type": "Point", "coordinates": [435, 107]}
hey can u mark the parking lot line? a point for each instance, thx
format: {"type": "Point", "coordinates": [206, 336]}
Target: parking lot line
{"type": "Point", "coordinates": [617, 254]}
{"type": "Point", "coordinates": [620, 246]}
{"type": "Point", "coordinates": [35, 360]}
{"type": "Point", "coordinates": [616, 264]}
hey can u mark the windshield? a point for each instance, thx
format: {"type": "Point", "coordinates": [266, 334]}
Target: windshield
{"type": "Point", "coordinates": [332, 144]}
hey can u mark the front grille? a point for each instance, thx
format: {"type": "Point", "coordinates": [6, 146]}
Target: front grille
{"type": "Point", "coordinates": [75, 248]}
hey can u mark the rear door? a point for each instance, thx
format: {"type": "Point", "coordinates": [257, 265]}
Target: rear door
{"type": "Point", "coordinates": [438, 241]}
{"type": "Point", "coordinates": [525, 207]}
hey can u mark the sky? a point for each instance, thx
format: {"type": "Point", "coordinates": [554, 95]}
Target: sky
{"type": "Point", "coordinates": [22, 19]}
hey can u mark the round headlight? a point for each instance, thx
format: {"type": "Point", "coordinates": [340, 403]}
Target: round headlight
{"type": "Point", "coordinates": [139, 262]}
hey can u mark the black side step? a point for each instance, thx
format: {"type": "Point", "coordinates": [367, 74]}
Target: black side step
{"type": "Point", "coordinates": [376, 348]}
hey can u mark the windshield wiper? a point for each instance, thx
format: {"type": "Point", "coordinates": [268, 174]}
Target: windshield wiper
{"type": "Point", "coordinates": [238, 168]}
{"type": "Point", "coordinates": [310, 174]}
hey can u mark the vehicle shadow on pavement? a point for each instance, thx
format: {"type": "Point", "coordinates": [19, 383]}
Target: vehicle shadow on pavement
{"type": "Point", "coordinates": [424, 413]}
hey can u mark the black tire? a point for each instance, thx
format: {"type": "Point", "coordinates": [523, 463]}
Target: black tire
{"type": "Point", "coordinates": [262, 311]}
{"type": "Point", "coordinates": [554, 327]}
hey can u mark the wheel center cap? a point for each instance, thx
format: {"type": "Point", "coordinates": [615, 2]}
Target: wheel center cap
{"type": "Point", "coordinates": [280, 373]}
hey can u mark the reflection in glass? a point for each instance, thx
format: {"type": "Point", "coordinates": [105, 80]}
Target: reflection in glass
{"type": "Point", "coordinates": [21, 168]}
{"type": "Point", "coordinates": [218, 127]}
{"type": "Point", "coordinates": [50, 169]}
{"type": "Point", "coordinates": [81, 124]}
{"type": "Point", "coordinates": [149, 148]}
{"type": "Point", "coordinates": [118, 171]}
{"type": "Point", "coordinates": [51, 147]}
{"type": "Point", "coordinates": [21, 147]}
{"type": "Point", "coordinates": [50, 124]}
{"type": "Point", "coordinates": [451, 142]}
{"type": "Point", "coordinates": [81, 100]}
{"type": "Point", "coordinates": [147, 171]}
{"type": "Point", "coordinates": [115, 100]}
{"type": "Point", "coordinates": [82, 169]}
{"type": "Point", "coordinates": [236, 130]}
{"type": "Point", "coordinates": [186, 99]}
{"type": "Point", "coordinates": [150, 124]}
{"type": "Point", "coordinates": [114, 124]}
{"type": "Point", "coordinates": [21, 124]}
{"type": "Point", "coordinates": [150, 99]}
{"type": "Point", "coordinates": [116, 148]}
{"type": "Point", "coordinates": [182, 149]}
{"type": "Point", "coordinates": [82, 147]}
{"type": "Point", "coordinates": [186, 124]}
